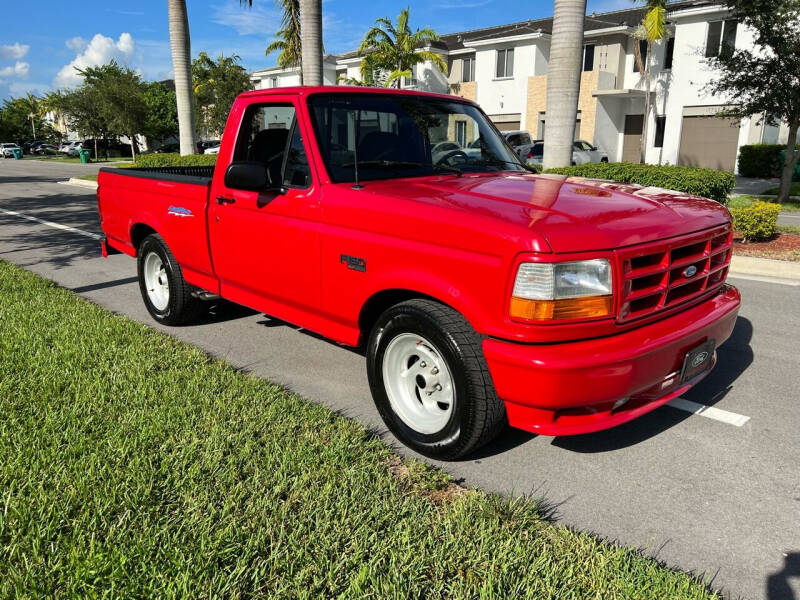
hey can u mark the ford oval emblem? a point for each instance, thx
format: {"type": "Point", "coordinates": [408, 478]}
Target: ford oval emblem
{"type": "Point", "coordinates": [699, 359]}
{"type": "Point", "coordinates": [690, 271]}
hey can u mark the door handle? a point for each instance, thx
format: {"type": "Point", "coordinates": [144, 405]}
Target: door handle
{"type": "Point", "coordinates": [224, 200]}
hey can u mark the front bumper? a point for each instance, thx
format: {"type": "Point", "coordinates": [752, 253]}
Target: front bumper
{"type": "Point", "coordinates": [586, 386]}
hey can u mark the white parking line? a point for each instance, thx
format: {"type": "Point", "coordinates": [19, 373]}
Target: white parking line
{"type": "Point", "coordinates": [723, 416]}
{"type": "Point", "coordinates": [765, 279]}
{"type": "Point", "coordinates": [14, 213]}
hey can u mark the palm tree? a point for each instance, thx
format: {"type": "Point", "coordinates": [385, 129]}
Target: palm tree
{"type": "Point", "coordinates": [311, 41]}
{"type": "Point", "coordinates": [288, 43]}
{"type": "Point", "coordinates": [180, 45]}
{"type": "Point", "coordinates": [393, 48]}
{"type": "Point", "coordinates": [652, 29]}
{"type": "Point", "coordinates": [563, 81]}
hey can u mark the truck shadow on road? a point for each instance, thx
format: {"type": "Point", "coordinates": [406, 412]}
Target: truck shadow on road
{"type": "Point", "coordinates": [778, 587]}
{"type": "Point", "coordinates": [733, 359]}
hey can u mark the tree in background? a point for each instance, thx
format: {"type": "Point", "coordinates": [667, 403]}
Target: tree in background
{"type": "Point", "coordinates": [20, 117]}
{"type": "Point", "coordinates": [216, 84]}
{"type": "Point", "coordinates": [119, 96]}
{"type": "Point", "coordinates": [765, 81]}
{"type": "Point", "coordinates": [180, 45]}
{"type": "Point", "coordinates": [288, 43]}
{"type": "Point", "coordinates": [311, 41]}
{"type": "Point", "coordinates": [652, 30]}
{"type": "Point", "coordinates": [161, 120]}
{"type": "Point", "coordinates": [80, 108]}
{"type": "Point", "coordinates": [563, 81]}
{"type": "Point", "coordinates": [394, 48]}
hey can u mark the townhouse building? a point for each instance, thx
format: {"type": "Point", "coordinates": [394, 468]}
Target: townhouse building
{"type": "Point", "coordinates": [504, 69]}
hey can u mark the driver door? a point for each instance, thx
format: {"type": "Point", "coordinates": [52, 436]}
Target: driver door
{"type": "Point", "coordinates": [265, 244]}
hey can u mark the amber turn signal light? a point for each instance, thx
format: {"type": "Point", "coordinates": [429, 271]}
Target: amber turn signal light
{"type": "Point", "coordinates": [591, 307]}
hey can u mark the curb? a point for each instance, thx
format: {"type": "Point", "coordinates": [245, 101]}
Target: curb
{"type": "Point", "coordinates": [765, 267]}
{"type": "Point", "coordinates": [92, 185]}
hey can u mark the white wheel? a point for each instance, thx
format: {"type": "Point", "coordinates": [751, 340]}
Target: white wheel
{"type": "Point", "coordinates": [156, 281]}
{"type": "Point", "coordinates": [418, 383]}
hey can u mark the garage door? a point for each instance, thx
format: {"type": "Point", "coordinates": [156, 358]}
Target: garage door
{"type": "Point", "coordinates": [709, 142]}
{"type": "Point", "coordinates": [507, 125]}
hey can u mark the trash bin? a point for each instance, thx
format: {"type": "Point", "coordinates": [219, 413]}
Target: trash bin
{"type": "Point", "coordinates": [84, 154]}
{"type": "Point", "coordinates": [796, 172]}
{"type": "Point", "coordinates": [17, 153]}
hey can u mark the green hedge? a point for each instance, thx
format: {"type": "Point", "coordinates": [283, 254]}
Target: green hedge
{"type": "Point", "coordinates": [707, 183]}
{"type": "Point", "coordinates": [756, 222]}
{"type": "Point", "coordinates": [175, 160]}
{"type": "Point", "coordinates": [760, 160]}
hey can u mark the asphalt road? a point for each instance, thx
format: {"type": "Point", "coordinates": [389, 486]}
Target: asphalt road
{"type": "Point", "coordinates": [698, 493]}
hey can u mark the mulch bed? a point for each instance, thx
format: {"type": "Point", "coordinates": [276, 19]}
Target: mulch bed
{"type": "Point", "coordinates": [784, 246]}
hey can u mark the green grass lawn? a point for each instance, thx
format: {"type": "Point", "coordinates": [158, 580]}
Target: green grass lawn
{"type": "Point", "coordinates": [794, 191]}
{"type": "Point", "coordinates": [742, 201]}
{"type": "Point", "coordinates": [133, 465]}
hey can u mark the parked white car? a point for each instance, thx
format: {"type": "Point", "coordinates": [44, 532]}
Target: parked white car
{"type": "Point", "coordinates": [67, 146]}
{"type": "Point", "coordinates": [213, 149]}
{"type": "Point", "coordinates": [582, 152]}
{"type": "Point", "coordinates": [8, 149]}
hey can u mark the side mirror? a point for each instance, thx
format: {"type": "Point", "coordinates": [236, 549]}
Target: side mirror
{"type": "Point", "coordinates": [245, 175]}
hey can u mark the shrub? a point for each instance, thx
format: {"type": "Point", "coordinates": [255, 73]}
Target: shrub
{"type": "Point", "coordinates": [760, 160]}
{"type": "Point", "coordinates": [175, 160]}
{"type": "Point", "coordinates": [756, 222]}
{"type": "Point", "coordinates": [707, 183]}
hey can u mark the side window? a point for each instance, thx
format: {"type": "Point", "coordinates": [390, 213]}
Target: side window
{"type": "Point", "coordinates": [264, 137]}
{"type": "Point", "coordinates": [296, 173]}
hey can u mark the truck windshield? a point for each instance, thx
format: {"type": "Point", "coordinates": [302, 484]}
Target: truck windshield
{"type": "Point", "coordinates": [405, 136]}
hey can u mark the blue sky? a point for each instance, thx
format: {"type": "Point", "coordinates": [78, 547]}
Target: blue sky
{"type": "Point", "coordinates": [42, 40]}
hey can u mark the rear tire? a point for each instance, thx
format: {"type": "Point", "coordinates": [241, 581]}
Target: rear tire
{"type": "Point", "coordinates": [430, 382]}
{"type": "Point", "coordinates": [166, 294]}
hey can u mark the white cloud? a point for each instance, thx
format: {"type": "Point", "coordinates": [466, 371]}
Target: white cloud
{"type": "Point", "coordinates": [98, 51]}
{"type": "Point", "coordinates": [20, 69]}
{"type": "Point", "coordinates": [77, 44]}
{"type": "Point", "coordinates": [258, 20]}
{"type": "Point", "coordinates": [13, 51]}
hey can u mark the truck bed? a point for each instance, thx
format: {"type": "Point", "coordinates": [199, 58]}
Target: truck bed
{"type": "Point", "coordinates": [172, 201]}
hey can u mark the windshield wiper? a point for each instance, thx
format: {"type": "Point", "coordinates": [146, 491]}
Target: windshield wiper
{"type": "Point", "coordinates": [399, 164]}
{"type": "Point", "coordinates": [448, 169]}
{"type": "Point", "coordinates": [498, 161]}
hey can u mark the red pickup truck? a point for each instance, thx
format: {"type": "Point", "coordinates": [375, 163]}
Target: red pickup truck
{"type": "Point", "coordinates": [484, 294]}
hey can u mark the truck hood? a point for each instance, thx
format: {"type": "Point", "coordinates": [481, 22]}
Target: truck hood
{"type": "Point", "coordinates": [571, 214]}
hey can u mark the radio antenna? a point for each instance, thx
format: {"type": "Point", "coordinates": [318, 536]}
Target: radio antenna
{"type": "Point", "coordinates": [357, 131]}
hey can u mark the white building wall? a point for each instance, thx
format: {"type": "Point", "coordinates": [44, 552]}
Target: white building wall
{"type": "Point", "coordinates": [508, 95]}
{"type": "Point", "coordinates": [682, 85]}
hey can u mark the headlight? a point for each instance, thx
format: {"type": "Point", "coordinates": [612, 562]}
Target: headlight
{"type": "Point", "coordinates": [569, 290]}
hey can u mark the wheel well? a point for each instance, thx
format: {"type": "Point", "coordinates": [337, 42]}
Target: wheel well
{"type": "Point", "coordinates": [380, 302]}
{"type": "Point", "coordinates": [138, 233]}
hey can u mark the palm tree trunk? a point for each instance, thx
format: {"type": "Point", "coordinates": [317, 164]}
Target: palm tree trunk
{"type": "Point", "coordinates": [311, 38]}
{"type": "Point", "coordinates": [646, 121]}
{"type": "Point", "coordinates": [789, 163]}
{"type": "Point", "coordinates": [182, 64]}
{"type": "Point", "coordinates": [563, 81]}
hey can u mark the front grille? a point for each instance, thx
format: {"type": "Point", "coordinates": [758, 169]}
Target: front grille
{"type": "Point", "coordinates": [658, 276]}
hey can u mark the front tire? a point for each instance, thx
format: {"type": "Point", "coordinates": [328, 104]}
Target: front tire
{"type": "Point", "coordinates": [166, 294]}
{"type": "Point", "coordinates": [430, 382]}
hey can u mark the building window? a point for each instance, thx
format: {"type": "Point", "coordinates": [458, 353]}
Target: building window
{"type": "Point", "coordinates": [461, 133]}
{"type": "Point", "coordinates": [721, 38]}
{"type": "Point", "coordinates": [661, 124]}
{"type": "Point", "coordinates": [669, 51]}
{"type": "Point", "coordinates": [643, 52]}
{"type": "Point", "coordinates": [588, 57]}
{"type": "Point", "coordinates": [273, 82]}
{"type": "Point", "coordinates": [505, 63]}
{"type": "Point", "coordinates": [468, 70]}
